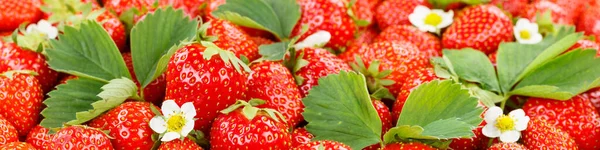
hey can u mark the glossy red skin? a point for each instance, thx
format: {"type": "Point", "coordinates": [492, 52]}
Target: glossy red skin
{"type": "Point", "coordinates": [364, 10]}
{"type": "Point", "coordinates": [470, 143]}
{"type": "Point", "coordinates": [178, 144]}
{"type": "Point", "coordinates": [155, 91]}
{"type": "Point", "coordinates": [301, 136]}
{"type": "Point", "coordinates": [274, 83]}
{"type": "Point", "coordinates": [39, 138]}
{"type": "Point", "coordinates": [128, 125]}
{"type": "Point", "coordinates": [507, 146]}
{"type": "Point", "coordinates": [15, 12]}
{"type": "Point", "coordinates": [540, 134]}
{"type": "Point", "coordinates": [320, 64]}
{"type": "Point", "coordinates": [120, 6]}
{"type": "Point", "coordinates": [232, 38]}
{"type": "Point", "coordinates": [12, 57]}
{"type": "Point", "coordinates": [115, 29]}
{"type": "Point", "coordinates": [408, 146]}
{"type": "Point", "coordinates": [586, 44]}
{"type": "Point", "coordinates": [21, 101]}
{"type": "Point", "coordinates": [395, 12]}
{"type": "Point", "coordinates": [574, 7]}
{"type": "Point", "coordinates": [492, 57]}
{"type": "Point", "coordinates": [514, 7]}
{"type": "Point", "coordinates": [386, 121]}
{"type": "Point", "coordinates": [235, 131]}
{"type": "Point", "coordinates": [560, 15]}
{"type": "Point", "coordinates": [261, 41]}
{"type": "Point", "coordinates": [414, 79]}
{"type": "Point", "coordinates": [365, 36]}
{"type": "Point", "coordinates": [589, 23]}
{"type": "Point", "coordinates": [191, 78]}
{"type": "Point", "coordinates": [80, 137]}
{"type": "Point", "coordinates": [17, 146]}
{"type": "Point", "coordinates": [482, 27]}
{"type": "Point", "coordinates": [426, 42]}
{"type": "Point", "coordinates": [582, 125]}
{"type": "Point", "coordinates": [327, 145]}
{"type": "Point", "coordinates": [594, 96]}
{"type": "Point", "coordinates": [190, 7]}
{"type": "Point", "coordinates": [8, 133]}
{"type": "Point", "coordinates": [327, 15]}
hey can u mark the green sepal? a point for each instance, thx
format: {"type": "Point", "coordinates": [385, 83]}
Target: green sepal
{"type": "Point", "coordinates": [226, 56]}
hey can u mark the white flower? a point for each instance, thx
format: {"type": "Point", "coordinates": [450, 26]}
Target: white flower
{"type": "Point", "coordinates": [176, 122]}
{"type": "Point", "coordinates": [318, 39]}
{"type": "Point", "coordinates": [507, 127]}
{"type": "Point", "coordinates": [43, 27]}
{"type": "Point", "coordinates": [430, 20]}
{"type": "Point", "coordinates": [527, 32]}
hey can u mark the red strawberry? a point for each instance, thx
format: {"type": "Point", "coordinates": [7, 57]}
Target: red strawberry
{"type": "Point", "coordinates": [572, 6]}
{"type": "Point", "coordinates": [586, 44]}
{"type": "Point", "coordinates": [364, 10]}
{"type": "Point", "coordinates": [212, 85]}
{"type": "Point", "coordinates": [327, 15]}
{"type": "Point", "coordinates": [507, 146]}
{"type": "Point", "coordinates": [386, 120]}
{"type": "Point", "coordinates": [594, 96]}
{"type": "Point", "coordinates": [259, 129]}
{"type": "Point", "coordinates": [582, 125]}
{"type": "Point", "coordinates": [470, 143]}
{"type": "Point", "coordinates": [13, 13]}
{"type": "Point", "coordinates": [39, 138]}
{"type": "Point", "coordinates": [5, 33]}
{"type": "Point", "coordinates": [274, 83]}
{"type": "Point", "coordinates": [20, 100]}
{"type": "Point", "coordinates": [540, 134]}
{"type": "Point", "coordinates": [560, 15]}
{"type": "Point", "coordinates": [320, 64]}
{"type": "Point", "coordinates": [482, 27]}
{"type": "Point", "coordinates": [17, 146]}
{"type": "Point", "coordinates": [12, 57]}
{"type": "Point", "coordinates": [408, 146]}
{"type": "Point", "coordinates": [395, 12]}
{"type": "Point", "coordinates": [120, 6]}
{"type": "Point", "coordinates": [588, 23]}
{"type": "Point", "coordinates": [300, 136]}
{"type": "Point", "coordinates": [261, 41]}
{"type": "Point", "coordinates": [115, 28]}
{"type": "Point", "coordinates": [514, 7]}
{"type": "Point", "coordinates": [214, 4]}
{"type": "Point", "coordinates": [325, 144]}
{"type": "Point", "coordinates": [80, 137]}
{"type": "Point", "coordinates": [492, 57]}
{"type": "Point", "coordinates": [190, 7]}
{"type": "Point", "coordinates": [232, 38]}
{"type": "Point", "coordinates": [128, 125]}
{"type": "Point", "coordinates": [177, 144]}
{"type": "Point", "coordinates": [414, 79]}
{"type": "Point", "coordinates": [426, 42]}
{"type": "Point", "coordinates": [8, 133]}
{"type": "Point", "coordinates": [366, 36]}
{"type": "Point", "coordinates": [155, 91]}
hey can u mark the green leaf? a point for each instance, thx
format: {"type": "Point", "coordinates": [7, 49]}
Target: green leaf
{"type": "Point", "coordinates": [74, 96]}
{"type": "Point", "coordinates": [273, 52]}
{"type": "Point", "coordinates": [473, 66]}
{"type": "Point", "coordinates": [276, 16]}
{"type": "Point", "coordinates": [154, 37]}
{"type": "Point", "coordinates": [440, 68]}
{"type": "Point", "coordinates": [339, 109]}
{"type": "Point", "coordinates": [444, 3]}
{"type": "Point", "coordinates": [87, 52]}
{"type": "Point", "coordinates": [488, 98]}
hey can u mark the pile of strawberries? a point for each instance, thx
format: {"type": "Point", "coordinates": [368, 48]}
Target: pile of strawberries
{"type": "Point", "coordinates": [249, 78]}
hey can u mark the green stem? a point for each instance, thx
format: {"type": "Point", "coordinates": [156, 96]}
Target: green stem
{"type": "Point", "coordinates": [137, 97]}
{"type": "Point", "coordinates": [503, 103]}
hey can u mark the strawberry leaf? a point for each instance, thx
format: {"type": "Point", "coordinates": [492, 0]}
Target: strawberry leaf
{"type": "Point", "coordinates": [472, 65]}
{"type": "Point", "coordinates": [68, 99]}
{"type": "Point", "coordinates": [274, 52]}
{"type": "Point", "coordinates": [87, 52]}
{"type": "Point", "coordinates": [339, 109]}
{"type": "Point", "coordinates": [154, 38]}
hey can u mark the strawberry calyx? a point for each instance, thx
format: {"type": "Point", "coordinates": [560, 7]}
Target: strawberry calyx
{"type": "Point", "coordinates": [376, 81]}
{"type": "Point", "coordinates": [357, 21]}
{"type": "Point", "coordinates": [11, 74]}
{"type": "Point", "coordinates": [203, 33]}
{"type": "Point", "coordinates": [545, 23]}
{"type": "Point", "coordinates": [249, 110]}
{"type": "Point", "coordinates": [226, 56]}
{"type": "Point", "coordinates": [70, 12]}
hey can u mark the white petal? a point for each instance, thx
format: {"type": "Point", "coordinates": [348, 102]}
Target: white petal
{"type": "Point", "coordinates": [170, 136]}
{"type": "Point", "coordinates": [492, 114]}
{"type": "Point", "coordinates": [510, 136]}
{"type": "Point", "coordinates": [490, 130]}
{"type": "Point", "coordinates": [188, 127]}
{"type": "Point", "coordinates": [319, 38]}
{"type": "Point", "coordinates": [52, 33]}
{"type": "Point", "coordinates": [428, 28]}
{"type": "Point", "coordinates": [521, 123]}
{"type": "Point", "coordinates": [169, 107]}
{"type": "Point", "coordinates": [522, 22]}
{"type": "Point", "coordinates": [421, 10]}
{"type": "Point", "coordinates": [536, 38]}
{"type": "Point", "coordinates": [517, 113]}
{"type": "Point", "coordinates": [188, 110]}
{"type": "Point", "coordinates": [447, 19]}
{"type": "Point", "coordinates": [158, 124]}
{"type": "Point", "coordinates": [533, 27]}
{"type": "Point", "coordinates": [30, 28]}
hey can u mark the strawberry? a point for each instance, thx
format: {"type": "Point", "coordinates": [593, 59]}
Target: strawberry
{"type": "Point", "coordinates": [8, 133]}
{"type": "Point", "coordinates": [190, 7]}
{"type": "Point", "coordinates": [39, 138]}
{"type": "Point", "coordinates": [582, 125]}
{"type": "Point", "coordinates": [540, 134]}
{"type": "Point", "coordinates": [364, 10]}
{"type": "Point", "coordinates": [261, 41]}
{"type": "Point", "coordinates": [211, 84]}
{"type": "Point", "coordinates": [572, 6]}
{"type": "Point", "coordinates": [395, 12]}
{"type": "Point", "coordinates": [470, 143]}
{"type": "Point", "coordinates": [386, 120]}
{"type": "Point", "coordinates": [115, 28]}
{"type": "Point", "coordinates": [320, 64]}
{"type": "Point", "coordinates": [274, 83]}
{"type": "Point", "coordinates": [586, 44]}
{"type": "Point", "coordinates": [230, 37]}
{"type": "Point", "coordinates": [594, 96]}
{"type": "Point", "coordinates": [20, 100]}
{"type": "Point", "coordinates": [426, 42]}
{"type": "Point", "coordinates": [178, 144]}
{"type": "Point", "coordinates": [323, 145]}
{"type": "Point", "coordinates": [414, 79]}
{"type": "Point", "coordinates": [514, 7]}
{"type": "Point", "coordinates": [507, 146]}
{"type": "Point", "coordinates": [327, 15]}
{"type": "Point", "coordinates": [560, 15]}
{"type": "Point", "coordinates": [80, 137]}
{"type": "Point", "coordinates": [408, 146]}
{"type": "Point", "coordinates": [253, 127]}
{"type": "Point", "coordinates": [301, 136]}
{"type": "Point", "coordinates": [120, 6]}
{"type": "Point", "coordinates": [588, 22]}
{"type": "Point", "coordinates": [212, 5]}
{"type": "Point", "coordinates": [155, 91]}
{"type": "Point", "coordinates": [13, 13]}
{"type": "Point", "coordinates": [481, 27]}
{"type": "Point", "coordinates": [128, 125]}
{"type": "Point", "coordinates": [17, 146]}
{"type": "Point", "coordinates": [12, 57]}
{"type": "Point", "coordinates": [366, 36]}
{"type": "Point", "coordinates": [492, 57]}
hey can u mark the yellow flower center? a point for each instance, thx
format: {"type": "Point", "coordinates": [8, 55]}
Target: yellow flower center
{"type": "Point", "coordinates": [505, 123]}
{"type": "Point", "coordinates": [433, 19]}
{"type": "Point", "coordinates": [525, 34]}
{"type": "Point", "coordinates": [176, 122]}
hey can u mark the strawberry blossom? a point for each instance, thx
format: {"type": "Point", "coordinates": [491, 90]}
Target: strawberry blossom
{"type": "Point", "coordinates": [43, 27]}
{"type": "Point", "coordinates": [428, 20]}
{"type": "Point", "coordinates": [318, 39]}
{"type": "Point", "coordinates": [176, 123]}
{"type": "Point", "coordinates": [507, 127]}
{"type": "Point", "coordinates": [527, 32]}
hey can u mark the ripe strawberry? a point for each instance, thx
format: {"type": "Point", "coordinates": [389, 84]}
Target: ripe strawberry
{"type": "Point", "coordinates": [540, 134]}
{"type": "Point", "coordinates": [120, 6]}
{"type": "Point", "coordinates": [274, 83]}
{"type": "Point", "coordinates": [14, 13]}
{"type": "Point", "coordinates": [327, 15]}
{"type": "Point", "coordinates": [301, 136]}
{"type": "Point", "coordinates": [507, 146]}
{"type": "Point", "coordinates": [178, 144]}
{"type": "Point", "coordinates": [364, 10]}
{"type": "Point", "coordinates": [39, 138]}
{"type": "Point", "coordinates": [232, 38]}
{"type": "Point", "coordinates": [115, 29]}
{"type": "Point", "coordinates": [20, 100]}
{"type": "Point", "coordinates": [8, 133]}
{"type": "Point", "coordinates": [560, 15]}
{"type": "Point", "coordinates": [261, 41]}
{"type": "Point", "coordinates": [414, 79]}
{"type": "Point", "coordinates": [155, 91]}
{"type": "Point", "coordinates": [366, 36]}
{"type": "Point", "coordinates": [212, 85]}
{"type": "Point", "coordinates": [586, 44]}
{"type": "Point", "coordinates": [214, 4]}
{"type": "Point", "coordinates": [572, 6]}
{"type": "Point", "coordinates": [320, 64]}
{"type": "Point", "coordinates": [259, 129]}
{"type": "Point", "coordinates": [482, 27]}
{"type": "Point", "coordinates": [587, 22]}
{"type": "Point", "coordinates": [470, 143]}
{"type": "Point", "coordinates": [386, 120]}
{"type": "Point", "coordinates": [582, 125]}
{"type": "Point", "coordinates": [190, 7]}
{"type": "Point", "coordinates": [395, 12]}
{"type": "Point", "coordinates": [594, 96]}
{"type": "Point", "coordinates": [80, 137]}
{"type": "Point", "coordinates": [12, 57]}
{"type": "Point", "coordinates": [324, 144]}
{"type": "Point", "coordinates": [17, 146]}
{"type": "Point", "coordinates": [514, 7]}
{"type": "Point", "coordinates": [408, 146]}
{"type": "Point", "coordinates": [492, 57]}
{"type": "Point", "coordinates": [426, 42]}
{"type": "Point", "coordinates": [128, 125]}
